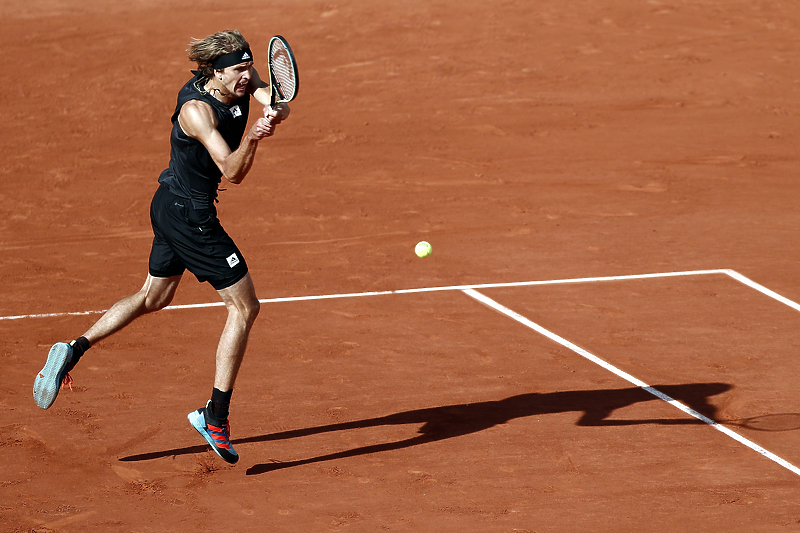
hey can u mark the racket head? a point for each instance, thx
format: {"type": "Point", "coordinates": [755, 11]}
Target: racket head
{"type": "Point", "coordinates": [775, 422]}
{"type": "Point", "coordinates": [282, 71]}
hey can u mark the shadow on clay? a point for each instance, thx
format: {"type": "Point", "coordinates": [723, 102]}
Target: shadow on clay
{"type": "Point", "coordinates": [450, 421]}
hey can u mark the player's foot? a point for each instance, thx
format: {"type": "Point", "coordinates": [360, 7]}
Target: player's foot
{"type": "Point", "coordinates": [54, 374]}
{"type": "Point", "coordinates": [216, 432]}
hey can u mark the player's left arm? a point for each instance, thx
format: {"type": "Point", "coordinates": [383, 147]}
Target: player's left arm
{"type": "Point", "coordinates": [260, 91]}
{"type": "Point", "coordinates": [258, 87]}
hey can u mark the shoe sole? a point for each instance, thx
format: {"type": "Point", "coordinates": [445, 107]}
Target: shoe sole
{"type": "Point", "coordinates": [47, 382]}
{"type": "Point", "coordinates": [198, 422]}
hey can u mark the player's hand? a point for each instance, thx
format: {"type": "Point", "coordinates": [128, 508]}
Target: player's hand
{"type": "Point", "coordinates": [265, 127]}
{"type": "Point", "coordinates": [262, 128]}
{"type": "Point", "coordinates": [277, 114]}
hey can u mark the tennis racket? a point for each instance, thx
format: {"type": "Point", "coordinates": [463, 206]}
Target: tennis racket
{"type": "Point", "coordinates": [283, 80]}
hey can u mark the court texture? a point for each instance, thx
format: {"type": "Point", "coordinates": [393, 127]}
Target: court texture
{"type": "Point", "coordinates": [605, 337]}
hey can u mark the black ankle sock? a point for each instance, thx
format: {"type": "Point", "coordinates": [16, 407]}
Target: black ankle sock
{"type": "Point", "coordinates": [79, 347]}
{"type": "Point", "coordinates": [220, 403]}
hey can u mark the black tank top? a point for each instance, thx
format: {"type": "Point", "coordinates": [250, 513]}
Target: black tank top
{"type": "Point", "coordinates": [192, 172]}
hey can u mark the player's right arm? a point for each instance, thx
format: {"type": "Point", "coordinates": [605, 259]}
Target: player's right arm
{"type": "Point", "coordinates": [197, 120]}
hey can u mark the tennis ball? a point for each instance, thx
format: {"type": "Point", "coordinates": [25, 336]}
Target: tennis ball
{"type": "Point", "coordinates": [423, 249]}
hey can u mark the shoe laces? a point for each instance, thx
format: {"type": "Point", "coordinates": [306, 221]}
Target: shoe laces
{"type": "Point", "coordinates": [221, 434]}
{"type": "Point", "coordinates": [67, 382]}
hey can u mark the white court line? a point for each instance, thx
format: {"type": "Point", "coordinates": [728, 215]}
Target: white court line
{"type": "Point", "coordinates": [733, 274]}
{"type": "Point", "coordinates": [627, 377]}
{"type": "Point", "coordinates": [428, 289]}
{"type": "Point", "coordinates": [203, 305]}
{"type": "Point", "coordinates": [760, 288]}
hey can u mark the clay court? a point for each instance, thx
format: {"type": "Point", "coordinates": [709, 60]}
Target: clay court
{"type": "Point", "coordinates": [610, 189]}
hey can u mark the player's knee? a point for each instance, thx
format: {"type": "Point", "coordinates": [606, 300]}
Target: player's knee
{"type": "Point", "coordinates": [253, 308]}
{"type": "Point", "coordinates": [155, 301]}
{"type": "Point", "coordinates": [155, 304]}
{"type": "Point", "coordinates": [246, 311]}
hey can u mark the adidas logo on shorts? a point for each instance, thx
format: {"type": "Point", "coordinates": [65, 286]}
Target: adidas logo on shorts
{"type": "Point", "coordinates": [233, 260]}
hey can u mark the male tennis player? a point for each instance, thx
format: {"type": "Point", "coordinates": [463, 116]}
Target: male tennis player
{"type": "Point", "coordinates": [208, 142]}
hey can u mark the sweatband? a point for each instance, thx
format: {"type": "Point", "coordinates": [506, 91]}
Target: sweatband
{"type": "Point", "coordinates": [234, 58]}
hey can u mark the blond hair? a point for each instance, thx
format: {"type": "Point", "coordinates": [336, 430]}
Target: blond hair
{"type": "Point", "coordinates": [204, 51]}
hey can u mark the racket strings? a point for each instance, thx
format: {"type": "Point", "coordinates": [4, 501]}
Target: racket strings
{"type": "Point", "coordinates": [284, 72]}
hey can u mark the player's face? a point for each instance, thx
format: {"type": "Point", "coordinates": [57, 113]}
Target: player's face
{"type": "Point", "coordinates": [236, 78]}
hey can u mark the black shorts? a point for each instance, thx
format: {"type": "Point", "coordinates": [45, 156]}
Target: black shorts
{"type": "Point", "coordinates": [191, 238]}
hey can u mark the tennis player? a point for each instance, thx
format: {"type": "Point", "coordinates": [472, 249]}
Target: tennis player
{"type": "Point", "coordinates": [208, 142]}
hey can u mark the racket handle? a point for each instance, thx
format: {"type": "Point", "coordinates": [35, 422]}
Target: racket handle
{"type": "Point", "coordinates": [271, 119]}
{"type": "Point", "coordinates": [271, 109]}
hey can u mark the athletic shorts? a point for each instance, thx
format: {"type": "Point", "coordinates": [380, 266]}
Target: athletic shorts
{"type": "Point", "coordinates": [191, 238]}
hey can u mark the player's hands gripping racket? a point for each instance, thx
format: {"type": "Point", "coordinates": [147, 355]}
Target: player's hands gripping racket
{"type": "Point", "coordinates": [283, 80]}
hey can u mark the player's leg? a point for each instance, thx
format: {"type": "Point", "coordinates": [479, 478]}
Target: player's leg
{"type": "Point", "coordinates": [212, 420]}
{"type": "Point", "coordinates": [242, 304]}
{"type": "Point", "coordinates": [156, 294]}
{"type": "Point", "coordinates": [164, 273]}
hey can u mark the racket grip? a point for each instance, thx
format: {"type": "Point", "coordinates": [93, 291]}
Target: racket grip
{"type": "Point", "coordinates": [271, 119]}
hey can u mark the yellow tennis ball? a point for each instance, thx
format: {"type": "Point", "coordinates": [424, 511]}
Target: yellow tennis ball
{"type": "Point", "coordinates": [423, 249]}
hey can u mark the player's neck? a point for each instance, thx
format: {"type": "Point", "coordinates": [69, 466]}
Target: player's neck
{"type": "Point", "coordinates": [215, 89]}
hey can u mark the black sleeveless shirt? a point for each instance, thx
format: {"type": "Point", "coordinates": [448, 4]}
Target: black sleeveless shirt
{"type": "Point", "coordinates": [192, 173]}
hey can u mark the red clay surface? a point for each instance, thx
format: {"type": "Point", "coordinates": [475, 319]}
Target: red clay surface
{"type": "Point", "coordinates": [524, 140]}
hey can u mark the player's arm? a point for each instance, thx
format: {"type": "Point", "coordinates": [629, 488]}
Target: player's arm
{"type": "Point", "coordinates": [197, 120]}
{"type": "Point", "coordinates": [260, 91]}
{"type": "Point", "coordinates": [258, 88]}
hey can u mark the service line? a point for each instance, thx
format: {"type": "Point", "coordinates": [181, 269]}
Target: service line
{"type": "Point", "coordinates": [403, 291]}
{"type": "Point", "coordinates": [731, 273]}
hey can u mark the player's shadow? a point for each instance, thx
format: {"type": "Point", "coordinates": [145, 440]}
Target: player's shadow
{"type": "Point", "coordinates": [447, 422]}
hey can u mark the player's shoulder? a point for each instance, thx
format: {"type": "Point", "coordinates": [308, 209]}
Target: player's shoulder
{"type": "Point", "coordinates": [196, 114]}
{"type": "Point", "coordinates": [196, 105]}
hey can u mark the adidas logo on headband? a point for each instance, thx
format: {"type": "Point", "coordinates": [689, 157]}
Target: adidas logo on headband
{"type": "Point", "coordinates": [233, 58]}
